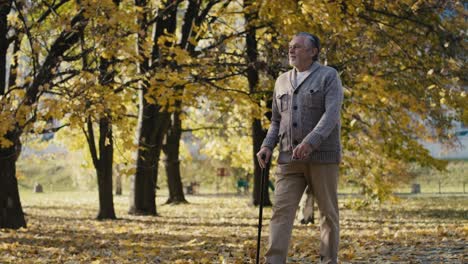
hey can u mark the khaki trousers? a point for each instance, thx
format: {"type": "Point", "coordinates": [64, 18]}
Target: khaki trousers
{"type": "Point", "coordinates": [291, 180]}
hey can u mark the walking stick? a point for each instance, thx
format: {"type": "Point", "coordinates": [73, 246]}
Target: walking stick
{"type": "Point", "coordinates": [260, 216]}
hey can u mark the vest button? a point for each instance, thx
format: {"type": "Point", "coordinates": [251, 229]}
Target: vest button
{"type": "Point", "coordinates": [294, 124]}
{"type": "Point", "coordinates": [295, 107]}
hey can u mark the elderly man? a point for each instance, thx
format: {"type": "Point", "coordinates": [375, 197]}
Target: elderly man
{"type": "Point", "coordinates": [306, 123]}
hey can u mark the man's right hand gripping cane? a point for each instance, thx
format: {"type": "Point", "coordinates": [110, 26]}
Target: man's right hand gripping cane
{"type": "Point", "coordinates": [263, 156]}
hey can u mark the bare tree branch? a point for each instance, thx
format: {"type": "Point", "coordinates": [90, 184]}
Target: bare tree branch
{"type": "Point", "coordinates": [52, 9]}
{"type": "Point", "coordinates": [50, 130]}
{"type": "Point", "coordinates": [34, 56]}
{"type": "Point", "coordinates": [210, 128]}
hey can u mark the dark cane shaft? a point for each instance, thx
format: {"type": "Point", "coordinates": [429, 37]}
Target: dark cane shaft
{"type": "Point", "coordinates": [260, 215]}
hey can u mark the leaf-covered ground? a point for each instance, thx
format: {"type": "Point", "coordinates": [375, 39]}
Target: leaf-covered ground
{"type": "Point", "coordinates": [211, 229]}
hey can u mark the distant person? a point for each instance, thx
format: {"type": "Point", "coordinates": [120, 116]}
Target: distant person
{"type": "Point", "coordinates": [306, 122]}
{"type": "Point", "coordinates": [242, 186]}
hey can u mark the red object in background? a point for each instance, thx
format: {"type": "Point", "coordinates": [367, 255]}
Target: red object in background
{"type": "Point", "coordinates": [222, 172]}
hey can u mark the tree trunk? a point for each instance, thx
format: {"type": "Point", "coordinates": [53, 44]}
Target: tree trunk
{"type": "Point", "coordinates": [142, 191]}
{"type": "Point", "coordinates": [171, 149]}
{"type": "Point", "coordinates": [174, 134]}
{"type": "Point", "coordinates": [5, 7]}
{"type": "Point", "coordinates": [151, 133]}
{"type": "Point", "coordinates": [103, 162]}
{"type": "Point", "coordinates": [258, 133]}
{"type": "Point", "coordinates": [104, 170]}
{"type": "Point", "coordinates": [118, 184]}
{"type": "Point", "coordinates": [191, 17]}
{"type": "Point", "coordinates": [153, 120]}
{"type": "Point", "coordinates": [11, 211]}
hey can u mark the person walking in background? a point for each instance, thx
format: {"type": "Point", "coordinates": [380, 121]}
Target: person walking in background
{"type": "Point", "coordinates": [306, 122]}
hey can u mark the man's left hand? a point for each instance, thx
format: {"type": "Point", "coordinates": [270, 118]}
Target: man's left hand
{"type": "Point", "coordinates": [302, 151]}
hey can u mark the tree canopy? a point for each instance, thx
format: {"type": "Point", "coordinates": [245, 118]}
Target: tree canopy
{"type": "Point", "coordinates": [402, 64]}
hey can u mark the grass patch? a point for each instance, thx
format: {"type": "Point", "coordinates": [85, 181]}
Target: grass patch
{"type": "Point", "coordinates": [453, 180]}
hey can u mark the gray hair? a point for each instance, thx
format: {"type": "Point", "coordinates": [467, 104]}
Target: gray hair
{"type": "Point", "coordinates": [314, 41]}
